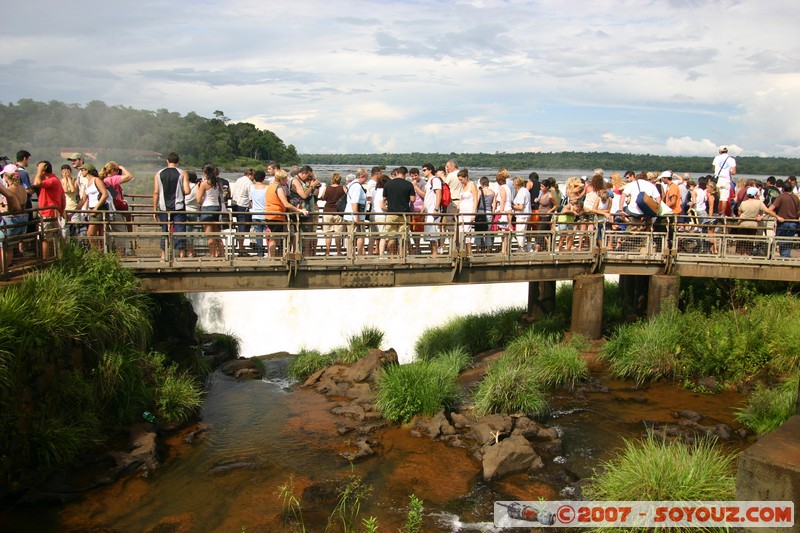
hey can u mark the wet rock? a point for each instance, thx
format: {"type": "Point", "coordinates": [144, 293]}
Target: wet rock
{"type": "Point", "coordinates": [363, 450]}
{"type": "Point", "coordinates": [196, 435]}
{"type": "Point", "coordinates": [248, 373]}
{"type": "Point", "coordinates": [369, 428]}
{"type": "Point", "coordinates": [415, 433]}
{"type": "Point", "coordinates": [239, 463]}
{"type": "Point", "coordinates": [360, 393]}
{"type": "Point", "coordinates": [243, 369]}
{"type": "Point", "coordinates": [709, 383]}
{"type": "Point", "coordinates": [526, 427]}
{"type": "Point", "coordinates": [349, 410]}
{"type": "Point", "coordinates": [343, 430]}
{"type": "Point", "coordinates": [510, 456]}
{"type": "Point", "coordinates": [462, 421]}
{"type": "Point", "coordinates": [436, 425]}
{"type": "Point", "coordinates": [550, 433]}
{"type": "Point", "coordinates": [688, 415]}
{"type": "Point", "coordinates": [489, 429]}
{"type": "Point", "coordinates": [372, 415]}
{"type": "Point", "coordinates": [550, 447]}
{"type": "Point", "coordinates": [721, 431]}
{"type": "Point", "coordinates": [368, 367]}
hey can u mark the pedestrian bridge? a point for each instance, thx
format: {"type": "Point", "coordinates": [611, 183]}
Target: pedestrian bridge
{"type": "Point", "coordinates": [545, 252]}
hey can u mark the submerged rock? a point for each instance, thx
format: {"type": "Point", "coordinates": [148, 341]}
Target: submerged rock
{"type": "Point", "coordinates": [510, 456]}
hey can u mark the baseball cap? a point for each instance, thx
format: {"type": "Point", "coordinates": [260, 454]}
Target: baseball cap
{"type": "Point", "coordinates": [752, 191]}
{"type": "Point", "coordinates": [76, 155]}
{"type": "Point", "coordinates": [90, 167]}
{"type": "Point", "coordinates": [10, 168]}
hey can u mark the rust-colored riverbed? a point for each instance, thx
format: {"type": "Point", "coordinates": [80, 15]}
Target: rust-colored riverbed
{"type": "Point", "coordinates": [262, 434]}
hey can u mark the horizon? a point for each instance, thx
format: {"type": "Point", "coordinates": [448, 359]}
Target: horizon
{"type": "Point", "coordinates": [479, 76]}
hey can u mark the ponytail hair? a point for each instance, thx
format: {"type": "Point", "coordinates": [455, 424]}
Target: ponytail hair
{"type": "Point", "coordinates": [210, 174]}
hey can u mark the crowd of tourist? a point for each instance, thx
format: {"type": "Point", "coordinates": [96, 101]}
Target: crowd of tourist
{"type": "Point", "coordinates": [366, 212]}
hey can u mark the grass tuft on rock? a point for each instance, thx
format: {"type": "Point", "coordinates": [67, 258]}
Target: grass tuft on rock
{"type": "Point", "coordinates": [358, 345]}
{"type": "Point", "coordinates": [422, 387]}
{"type": "Point", "coordinates": [655, 469]}
{"type": "Point", "coordinates": [509, 386]}
{"type": "Point", "coordinates": [307, 362]}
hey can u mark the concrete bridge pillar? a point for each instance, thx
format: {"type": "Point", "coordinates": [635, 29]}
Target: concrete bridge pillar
{"type": "Point", "coordinates": [664, 289]}
{"type": "Point", "coordinates": [541, 299]}
{"type": "Point", "coordinates": [587, 305]}
{"type": "Point", "coordinates": [770, 468]}
{"type": "Point", "coordinates": [633, 291]}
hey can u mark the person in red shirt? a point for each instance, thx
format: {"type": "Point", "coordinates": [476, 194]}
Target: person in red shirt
{"type": "Point", "coordinates": [52, 203]}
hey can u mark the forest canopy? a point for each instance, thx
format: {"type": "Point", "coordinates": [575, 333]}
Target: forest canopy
{"type": "Point", "coordinates": [134, 135]}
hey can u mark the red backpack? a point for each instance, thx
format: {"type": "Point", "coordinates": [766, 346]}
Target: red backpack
{"type": "Point", "coordinates": [447, 198]}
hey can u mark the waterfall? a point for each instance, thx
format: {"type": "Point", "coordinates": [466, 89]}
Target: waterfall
{"type": "Point", "coordinates": [290, 320]}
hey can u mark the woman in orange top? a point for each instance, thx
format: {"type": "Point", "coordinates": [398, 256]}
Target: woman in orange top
{"type": "Point", "coordinates": [277, 205]}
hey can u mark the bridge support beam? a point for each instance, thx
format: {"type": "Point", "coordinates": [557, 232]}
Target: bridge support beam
{"type": "Point", "coordinates": [587, 305]}
{"type": "Point", "coordinates": [664, 291]}
{"type": "Point", "coordinates": [770, 470]}
{"type": "Point", "coordinates": [541, 299]}
{"type": "Point", "coordinates": [633, 290]}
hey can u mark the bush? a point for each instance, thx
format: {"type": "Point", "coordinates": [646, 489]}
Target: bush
{"type": "Point", "coordinates": [768, 408]}
{"type": "Point", "coordinates": [560, 365]}
{"type": "Point", "coordinates": [655, 469]}
{"type": "Point", "coordinates": [307, 362]}
{"type": "Point", "coordinates": [421, 387]}
{"type": "Point", "coordinates": [509, 386]}
{"type": "Point", "coordinates": [473, 333]}
{"type": "Point", "coordinates": [648, 351]}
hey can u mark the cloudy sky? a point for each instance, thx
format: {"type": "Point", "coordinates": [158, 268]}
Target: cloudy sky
{"type": "Point", "coordinates": [333, 76]}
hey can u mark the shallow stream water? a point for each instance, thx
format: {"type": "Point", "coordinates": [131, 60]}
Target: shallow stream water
{"type": "Point", "coordinates": [261, 434]}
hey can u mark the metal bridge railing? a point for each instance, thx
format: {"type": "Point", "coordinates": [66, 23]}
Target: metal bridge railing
{"type": "Point", "coordinates": [144, 243]}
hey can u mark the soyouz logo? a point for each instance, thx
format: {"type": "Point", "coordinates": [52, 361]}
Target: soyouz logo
{"type": "Point", "coordinates": [663, 514]}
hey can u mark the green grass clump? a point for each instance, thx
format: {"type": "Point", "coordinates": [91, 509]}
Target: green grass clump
{"type": "Point", "coordinates": [358, 345]}
{"type": "Point", "coordinates": [509, 386]}
{"type": "Point", "coordinates": [422, 387]}
{"type": "Point", "coordinates": [654, 469]}
{"type": "Point", "coordinates": [307, 362]}
{"type": "Point", "coordinates": [560, 365]}
{"type": "Point", "coordinates": [767, 408]}
{"type": "Point", "coordinates": [648, 351]}
{"type": "Point", "coordinates": [474, 333]}
{"type": "Point", "coordinates": [552, 362]}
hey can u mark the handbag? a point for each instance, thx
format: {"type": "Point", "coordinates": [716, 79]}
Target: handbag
{"type": "Point", "coordinates": [646, 203]}
{"type": "Point", "coordinates": [495, 222]}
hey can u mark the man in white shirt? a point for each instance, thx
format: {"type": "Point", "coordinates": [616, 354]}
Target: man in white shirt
{"type": "Point", "coordinates": [240, 204]}
{"type": "Point", "coordinates": [452, 181]}
{"type": "Point", "coordinates": [637, 183]}
{"type": "Point", "coordinates": [354, 213]}
{"type": "Point", "coordinates": [724, 169]}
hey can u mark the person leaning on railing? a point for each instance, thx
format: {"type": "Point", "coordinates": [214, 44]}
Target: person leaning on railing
{"type": "Point", "coordinates": [12, 202]}
{"type": "Point", "coordinates": [277, 205]}
{"type": "Point", "coordinates": [787, 209]}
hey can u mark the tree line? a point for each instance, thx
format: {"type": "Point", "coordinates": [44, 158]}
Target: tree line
{"type": "Point", "coordinates": [777, 166]}
{"type": "Point", "coordinates": [141, 136]}
{"type": "Point", "coordinates": [135, 135]}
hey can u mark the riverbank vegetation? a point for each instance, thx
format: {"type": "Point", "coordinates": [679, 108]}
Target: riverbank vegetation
{"type": "Point", "coordinates": [79, 360]}
{"type": "Point", "coordinates": [656, 469]}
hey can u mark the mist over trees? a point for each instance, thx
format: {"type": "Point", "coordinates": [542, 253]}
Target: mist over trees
{"type": "Point", "coordinates": [127, 134]}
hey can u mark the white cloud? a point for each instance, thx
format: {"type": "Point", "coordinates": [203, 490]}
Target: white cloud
{"type": "Point", "coordinates": [672, 77]}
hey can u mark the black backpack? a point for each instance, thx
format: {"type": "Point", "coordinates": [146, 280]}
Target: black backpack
{"type": "Point", "coordinates": [341, 205]}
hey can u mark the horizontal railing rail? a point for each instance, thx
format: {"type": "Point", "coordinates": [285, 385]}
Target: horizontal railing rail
{"type": "Point", "coordinates": [148, 240]}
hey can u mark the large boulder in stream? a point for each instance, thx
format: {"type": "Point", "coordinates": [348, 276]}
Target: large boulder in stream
{"type": "Point", "coordinates": [368, 367]}
{"type": "Point", "coordinates": [510, 456]}
{"type": "Point", "coordinates": [243, 369]}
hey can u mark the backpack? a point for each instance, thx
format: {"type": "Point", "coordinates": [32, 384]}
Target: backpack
{"type": "Point", "coordinates": [341, 205]}
{"type": "Point", "coordinates": [447, 198]}
{"type": "Point", "coordinates": [771, 194]}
